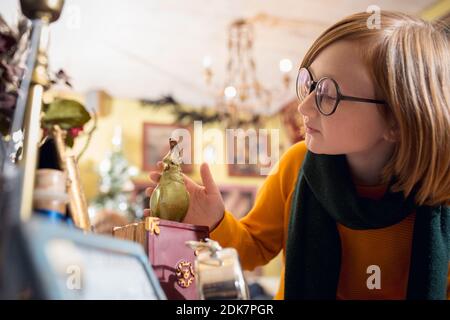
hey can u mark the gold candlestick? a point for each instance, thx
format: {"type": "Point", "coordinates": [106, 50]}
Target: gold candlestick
{"type": "Point", "coordinates": [77, 199]}
{"type": "Point", "coordinates": [59, 136]}
{"type": "Point", "coordinates": [42, 13]}
{"type": "Point", "coordinates": [49, 10]}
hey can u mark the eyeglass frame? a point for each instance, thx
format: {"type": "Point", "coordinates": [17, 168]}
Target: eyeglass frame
{"type": "Point", "coordinates": [339, 96]}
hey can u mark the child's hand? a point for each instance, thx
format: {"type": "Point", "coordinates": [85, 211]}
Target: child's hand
{"type": "Point", "coordinates": [206, 206]}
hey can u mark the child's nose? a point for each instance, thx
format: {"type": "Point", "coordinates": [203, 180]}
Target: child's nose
{"type": "Point", "coordinates": [308, 106]}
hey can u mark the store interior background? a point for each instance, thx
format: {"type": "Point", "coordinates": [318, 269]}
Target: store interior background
{"type": "Point", "coordinates": [118, 53]}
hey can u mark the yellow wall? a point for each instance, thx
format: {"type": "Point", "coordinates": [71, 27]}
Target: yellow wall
{"type": "Point", "coordinates": [436, 10]}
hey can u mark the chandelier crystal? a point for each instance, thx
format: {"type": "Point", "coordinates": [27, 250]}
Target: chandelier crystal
{"type": "Point", "coordinates": [242, 99]}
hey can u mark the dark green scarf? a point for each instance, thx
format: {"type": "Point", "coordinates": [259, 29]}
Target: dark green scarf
{"type": "Point", "coordinates": [326, 195]}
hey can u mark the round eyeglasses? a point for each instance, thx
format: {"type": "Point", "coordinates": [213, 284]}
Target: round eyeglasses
{"type": "Point", "coordinates": [327, 92]}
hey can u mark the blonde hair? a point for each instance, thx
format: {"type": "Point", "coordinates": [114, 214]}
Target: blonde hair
{"type": "Point", "coordinates": [409, 60]}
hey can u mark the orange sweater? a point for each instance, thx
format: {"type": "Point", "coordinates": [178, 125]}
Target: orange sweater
{"type": "Point", "coordinates": [262, 233]}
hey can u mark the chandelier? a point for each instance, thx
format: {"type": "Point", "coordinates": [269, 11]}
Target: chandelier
{"type": "Point", "coordinates": [243, 99]}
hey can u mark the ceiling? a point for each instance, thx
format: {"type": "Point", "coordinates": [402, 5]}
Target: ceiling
{"type": "Point", "coordinates": [143, 49]}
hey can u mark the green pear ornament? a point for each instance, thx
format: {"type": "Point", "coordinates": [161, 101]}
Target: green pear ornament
{"type": "Point", "coordinates": [170, 199]}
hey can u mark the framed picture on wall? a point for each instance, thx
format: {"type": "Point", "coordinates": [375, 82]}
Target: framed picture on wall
{"type": "Point", "coordinates": [155, 142]}
{"type": "Point", "coordinates": [239, 157]}
{"type": "Point", "coordinates": [238, 199]}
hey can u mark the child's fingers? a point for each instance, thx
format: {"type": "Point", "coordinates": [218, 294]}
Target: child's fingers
{"type": "Point", "coordinates": [154, 179]}
{"type": "Point", "coordinates": [208, 180]}
{"type": "Point", "coordinates": [154, 176]}
{"type": "Point", "coordinates": [149, 190]}
{"type": "Point", "coordinates": [152, 184]}
{"type": "Point", "coordinates": [191, 185]}
{"type": "Point", "coordinates": [146, 212]}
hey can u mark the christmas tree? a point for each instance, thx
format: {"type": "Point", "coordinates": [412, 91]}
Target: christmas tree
{"type": "Point", "coordinates": [116, 186]}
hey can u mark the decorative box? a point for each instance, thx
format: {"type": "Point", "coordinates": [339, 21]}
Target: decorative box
{"type": "Point", "coordinates": [165, 243]}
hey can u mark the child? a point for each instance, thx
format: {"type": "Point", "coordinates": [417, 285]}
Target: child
{"type": "Point", "coordinates": [360, 208]}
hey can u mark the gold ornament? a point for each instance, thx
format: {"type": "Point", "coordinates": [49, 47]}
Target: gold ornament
{"type": "Point", "coordinates": [170, 199]}
{"type": "Point", "coordinates": [185, 274]}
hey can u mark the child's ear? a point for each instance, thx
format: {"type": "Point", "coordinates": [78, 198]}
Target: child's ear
{"type": "Point", "coordinates": [391, 135]}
